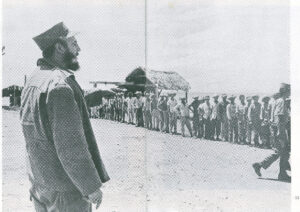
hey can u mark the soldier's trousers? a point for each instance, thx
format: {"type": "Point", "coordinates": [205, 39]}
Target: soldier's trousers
{"type": "Point", "coordinates": [224, 129]}
{"type": "Point", "coordinates": [139, 118]}
{"type": "Point", "coordinates": [265, 135]}
{"type": "Point", "coordinates": [282, 152]}
{"type": "Point", "coordinates": [233, 130]}
{"type": "Point", "coordinates": [173, 122]}
{"type": "Point", "coordinates": [255, 128]}
{"type": "Point", "coordinates": [148, 119]}
{"type": "Point", "coordinates": [196, 127]}
{"type": "Point", "coordinates": [46, 200]}
{"type": "Point", "coordinates": [216, 128]}
{"type": "Point", "coordinates": [248, 132]}
{"type": "Point", "coordinates": [242, 128]}
{"type": "Point", "coordinates": [162, 121]}
{"type": "Point", "coordinates": [185, 122]}
{"type": "Point", "coordinates": [167, 121]}
{"type": "Point", "coordinates": [131, 115]}
{"type": "Point", "coordinates": [207, 128]}
{"type": "Point", "coordinates": [155, 119]}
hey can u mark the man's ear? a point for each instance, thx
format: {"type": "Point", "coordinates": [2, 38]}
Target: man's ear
{"type": "Point", "coordinates": [60, 48]}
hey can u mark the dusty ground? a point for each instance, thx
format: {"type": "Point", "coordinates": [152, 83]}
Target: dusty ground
{"type": "Point", "coordinates": [158, 172]}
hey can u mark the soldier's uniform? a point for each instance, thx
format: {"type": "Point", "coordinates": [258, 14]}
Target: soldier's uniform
{"type": "Point", "coordinates": [194, 107]}
{"type": "Point", "coordinates": [172, 103]}
{"type": "Point", "coordinates": [64, 164]}
{"type": "Point", "coordinates": [224, 120]}
{"type": "Point", "coordinates": [242, 120]}
{"type": "Point", "coordinates": [265, 125]}
{"type": "Point", "coordinates": [206, 109]}
{"type": "Point", "coordinates": [231, 111]}
{"type": "Point", "coordinates": [216, 119]}
{"type": "Point", "coordinates": [254, 119]}
{"type": "Point", "coordinates": [283, 152]}
{"type": "Point", "coordinates": [248, 125]}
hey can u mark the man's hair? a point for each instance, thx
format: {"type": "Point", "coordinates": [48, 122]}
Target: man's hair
{"type": "Point", "coordinates": [48, 52]}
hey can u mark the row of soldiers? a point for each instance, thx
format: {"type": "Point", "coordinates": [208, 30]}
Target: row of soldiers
{"type": "Point", "coordinates": [242, 120]}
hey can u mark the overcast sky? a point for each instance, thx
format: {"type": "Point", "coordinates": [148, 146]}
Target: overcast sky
{"type": "Point", "coordinates": [216, 47]}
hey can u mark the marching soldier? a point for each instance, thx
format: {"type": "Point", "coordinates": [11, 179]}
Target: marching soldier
{"type": "Point", "coordinates": [281, 118]}
{"type": "Point", "coordinates": [254, 119]}
{"type": "Point", "coordinates": [231, 111]}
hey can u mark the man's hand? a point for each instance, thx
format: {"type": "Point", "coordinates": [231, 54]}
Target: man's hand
{"type": "Point", "coordinates": [96, 197]}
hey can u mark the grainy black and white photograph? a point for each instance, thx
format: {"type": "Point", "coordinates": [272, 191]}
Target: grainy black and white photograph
{"type": "Point", "coordinates": [146, 106]}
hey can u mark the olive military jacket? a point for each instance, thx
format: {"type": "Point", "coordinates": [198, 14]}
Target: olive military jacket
{"type": "Point", "coordinates": [61, 147]}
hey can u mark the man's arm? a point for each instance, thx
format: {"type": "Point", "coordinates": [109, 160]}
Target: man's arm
{"type": "Point", "coordinates": [69, 140]}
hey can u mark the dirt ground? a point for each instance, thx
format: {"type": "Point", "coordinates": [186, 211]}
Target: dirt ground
{"type": "Point", "coordinates": [156, 172]}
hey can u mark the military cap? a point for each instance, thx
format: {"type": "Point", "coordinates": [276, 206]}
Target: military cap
{"type": "Point", "coordinates": [216, 96]}
{"type": "Point", "coordinates": [265, 99]}
{"type": "Point", "coordinates": [51, 36]}
{"type": "Point", "coordinates": [206, 98]}
{"type": "Point", "coordinates": [285, 88]}
{"type": "Point", "coordinates": [138, 93]}
{"type": "Point", "coordinates": [249, 98]}
{"type": "Point", "coordinates": [231, 97]}
{"type": "Point", "coordinates": [240, 96]}
{"type": "Point", "coordinates": [255, 97]}
{"type": "Point", "coordinates": [196, 97]}
{"type": "Point", "coordinates": [224, 95]}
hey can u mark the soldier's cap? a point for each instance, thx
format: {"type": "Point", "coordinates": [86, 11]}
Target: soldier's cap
{"type": "Point", "coordinates": [255, 97]}
{"type": "Point", "coordinates": [249, 98]}
{"type": "Point", "coordinates": [275, 95]}
{"type": "Point", "coordinates": [196, 97]}
{"type": "Point", "coordinates": [231, 97]}
{"type": "Point", "coordinates": [216, 96]}
{"type": "Point", "coordinates": [138, 93]}
{"type": "Point", "coordinates": [206, 98]}
{"type": "Point", "coordinates": [224, 95]}
{"type": "Point", "coordinates": [284, 88]}
{"type": "Point", "coordinates": [147, 94]}
{"type": "Point", "coordinates": [52, 35]}
{"type": "Point", "coordinates": [240, 96]}
{"type": "Point", "coordinates": [265, 99]}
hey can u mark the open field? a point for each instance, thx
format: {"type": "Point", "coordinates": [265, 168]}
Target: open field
{"type": "Point", "coordinates": [152, 171]}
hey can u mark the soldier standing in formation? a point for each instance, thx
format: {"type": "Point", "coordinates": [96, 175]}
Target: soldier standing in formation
{"type": "Point", "coordinates": [254, 119]}
{"type": "Point", "coordinates": [265, 117]}
{"type": "Point", "coordinates": [224, 120]}
{"type": "Point", "coordinates": [172, 103]}
{"type": "Point", "coordinates": [231, 111]}
{"type": "Point", "coordinates": [155, 113]}
{"type": "Point", "coordinates": [206, 108]}
{"type": "Point", "coordinates": [242, 120]}
{"type": "Point", "coordinates": [216, 119]}
{"type": "Point", "coordinates": [194, 108]}
{"type": "Point", "coordinates": [184, 112]}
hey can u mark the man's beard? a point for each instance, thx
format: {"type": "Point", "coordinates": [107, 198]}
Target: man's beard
{"type": "Point", "coordinates": [70, 61]}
